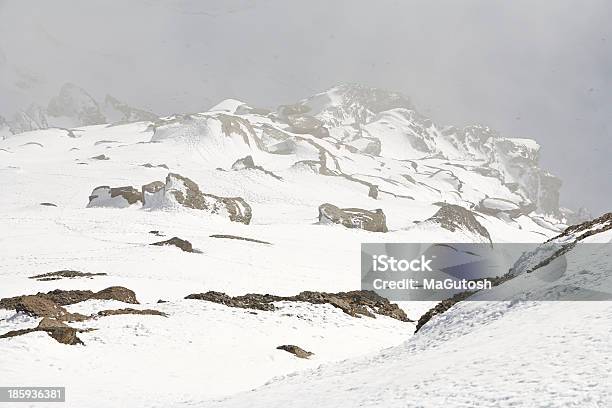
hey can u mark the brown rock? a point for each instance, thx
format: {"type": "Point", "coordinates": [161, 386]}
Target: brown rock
{"type": "Point", "coordinates": [116, 293]}
{"type": "Point", "coordinates": [184, 245]}
{"type": "Point", "coordinates": [130, 310]}
{"type": "Point", "coordinates": [295, 350]}
{"type": "Point", "coordinates": [374, 221]}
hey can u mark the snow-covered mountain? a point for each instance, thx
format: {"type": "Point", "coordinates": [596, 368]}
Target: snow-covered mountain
{"type": "Point", "coordinates": [226, 245]}
{"type": "Point", "coordinates": [74, 107]}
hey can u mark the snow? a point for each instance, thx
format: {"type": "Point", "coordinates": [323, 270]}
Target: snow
{"type": "Point", "coordinates": [206, 354]}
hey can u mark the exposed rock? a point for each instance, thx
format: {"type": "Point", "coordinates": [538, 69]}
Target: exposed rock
{"type": "Point", "coordinates": [48, 204]}
{"type": "Point", "coordinates": [149, 190]}
{"type": "Point", "coordinates": [440, 308]}
{"type": "Point", "coordinates": [353, 217]}
{"type": "Point", "coordinates": [306, 124]}
{"type": "Point", "coordinates": [54, 328]}
{"type": "Point", "coordinates": [576, 217]}
{"type": "Point", "coordinates": [59, 331]}
{"type": "Point", "coordinates": [100, 157]}
{"type": "Point", "coordinates": [355, 303]}
{"type": "Point", "coordinates": [352, 103]}
{"type": "Point", "coordinates": [561, 244]}
{"type": "Point", "coordinates": [295, 350]}
{"type": "Point", "coordinates": [51, 304]}
{"type": "Point", "coordinates": [182, 191]}
{"type": "Point", "coordinates": [115, 197]}
{"type": "Point", "coordinates": [249, 301]}
{"type": "Point", "coordinates": [117, 293]}
{"type": "Point", "coordinates": [130, 310]}
{"type": "Point", "coordinates": [247, 163]}
{"type": "Point", "coordinates": [184, 245]}
{"type": "Point", "coordinates": [244, 163]}
{"type": "Point", "coordinates": [67, 297]}
{"type": "Point", "coordinates": [240, 238]}
{"type": "Point", "coordinates": [453, 217]}
{"type": "Point", "coordinates": [156, 233]}
{"type": "Point", "coordinates": [150, 166]}
{"type": "Point", "coordinates": [39, 306]}
{"type": "Point", "coordinates": [65, 274]}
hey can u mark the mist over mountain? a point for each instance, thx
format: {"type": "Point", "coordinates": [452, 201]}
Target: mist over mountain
{"type": "Point", "coordinates": [541, 74]}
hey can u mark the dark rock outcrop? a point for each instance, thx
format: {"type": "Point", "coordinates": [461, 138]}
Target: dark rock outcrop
{"type": "Point", "coordinates": [306, 124]}
{"type": "Point", "coordinates": [355, 303]}
{"type": "Point", "coordinates": [295, 350]}
{"type": "Point", "coordinates": [440, 308]}
{"type": "Point", "coordinates": [51, 304]}
{"type": "Point", "coordinates": [249, 301]}
{"type": "Point", "coordinates": [453, 217]}
{"type": "Point", "coordinates": [56, 329]}
{"type": "Point", "coordinates": [117, 197]}
{"type": "Point", "coordinates": [64, 274]}
{"type": "Point", "coordinates": [184, 245]}
{"type": "Point", "coordinates": [117, 293]}
{"type": "Point", "coordinates": [131, 311]}
{"type": "Point", "coordinates": [182, 191]}
{"type": "Point", "coordinates": [374, 221]}
{"type": "Point", "coordinates": [247, 163]}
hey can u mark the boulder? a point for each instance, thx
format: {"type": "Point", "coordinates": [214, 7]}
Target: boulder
{"type": "Point", "coordinates": [244, 163]}
{"type": "Point", "coordinates": [56, 329]}
{"type": "Point", "coordinates": [114, 197]}
{"type": "Point", "coordinates": [116, 293]}
{"type": "Point", "coordinates": [179, 191]}
{"type": "Point", "coordinates": [306, 124]}
{"type": "Point", "coordinates": [184, 245]}
{"type": "Point", "coordinates": [454, 217]}
{"type": "Point", "coordinates": [374, 221]}
{"type": "Point", "coordinates": [295, 350]}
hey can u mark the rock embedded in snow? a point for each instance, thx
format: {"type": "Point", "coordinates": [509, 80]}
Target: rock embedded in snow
{"type": "Point", "coordinates": [453, 217]}
{"type": "Point", "coordinates": [65, 274]}
{"type": "Point", "coordinates": [295, 350]}
{"type": "Point", "coordinates": [181, 191]}
{"type": "Point", "coordinates": [114, 197]}
{"type": "Point", "coordinates": [182, 244]}
{"type": "Point", "coordinates": [374, 221]}
{"type": "Point", "coordinates": [246, 162]}
{"type": "Point", "coordinates": [306, 124]}
{"type": "Point", "coordinates": [356, 303]}
{"type": "Point", "coordinates": [100, 157]}
{"type": "Point", "coordinates": [249, 301]}
{"type": "Point", "coordinates": [131, 311]}
{"type": "Point", "coordinates": [56, 329]}
{"type": "Point", "coordinates": [118, 293]}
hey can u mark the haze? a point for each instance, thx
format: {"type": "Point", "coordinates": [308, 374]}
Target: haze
{"type": "Point", "coordinates": [539, 70]}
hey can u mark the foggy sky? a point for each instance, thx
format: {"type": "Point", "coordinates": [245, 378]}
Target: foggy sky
{"type": "Point", "coordinates": [541, 70]}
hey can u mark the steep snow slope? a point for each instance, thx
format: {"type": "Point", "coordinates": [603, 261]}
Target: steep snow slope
{"type": "Point", "coordinates": [516, 352]}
